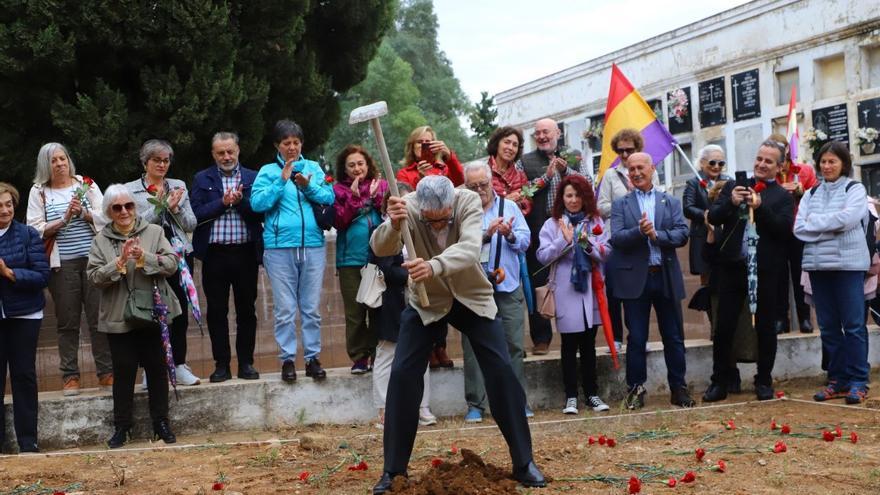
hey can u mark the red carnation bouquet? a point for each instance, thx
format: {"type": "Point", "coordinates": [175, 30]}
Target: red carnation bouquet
{"type": "Point", "coordinates": [81, 191]}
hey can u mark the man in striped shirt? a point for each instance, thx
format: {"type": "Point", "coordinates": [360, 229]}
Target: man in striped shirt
{"type": "Point", "coordinates": [228, 241]}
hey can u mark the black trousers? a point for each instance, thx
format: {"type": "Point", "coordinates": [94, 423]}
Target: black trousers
{"type": "Point", "coordinates": [506, 396]}
{"type": "Point", "coordinates": [18, 351]}
{"type": "Point", "coordinates": [732, 293]}
{"type": "Point", "coordinates": [179, 324]}
{"type": "Point", "coordinates": [585, 344]}
{"type": "Point", "coordinates": [234, 267]}
{"type": "Point", "coordinates": [128, 351]}
{"type": "Point", "coordinates": [540, 329]}
{"type": "Point", "coordinates": [790, 269]}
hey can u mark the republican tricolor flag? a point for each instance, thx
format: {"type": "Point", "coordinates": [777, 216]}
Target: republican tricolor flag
{"type": "Point", "coordinates": [627, 109]}
{"type": "Point", "coordinates": [791, 134]}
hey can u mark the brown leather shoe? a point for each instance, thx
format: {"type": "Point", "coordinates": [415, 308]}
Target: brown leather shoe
{"type": "Point", "coordinates": [541, 348]}
{"type": "Point", "coordinates": [71, 385]}
{"type": "Point", "coordinates": [433, 362]}
{"type": "Point", "coordinates": [105, 381]}
{"type": "Point", "coordinates": [442, 358]}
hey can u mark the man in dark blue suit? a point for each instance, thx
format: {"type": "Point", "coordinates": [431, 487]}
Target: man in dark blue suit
{"type": "Point", "coordinates": [229, 242]}
{"type": "Point", "coordinates": [646, 228]}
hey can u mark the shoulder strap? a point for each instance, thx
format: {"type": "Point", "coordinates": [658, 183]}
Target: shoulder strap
{"type": "Point", "coordinates": [849, 185]}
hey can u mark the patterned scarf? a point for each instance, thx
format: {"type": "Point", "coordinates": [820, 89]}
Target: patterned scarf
{"type": "Point", "coordinates": [580, 267]}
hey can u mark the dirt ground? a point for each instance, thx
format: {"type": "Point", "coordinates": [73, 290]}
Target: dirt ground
{"type": "Point", "coordinates": [653, 445]}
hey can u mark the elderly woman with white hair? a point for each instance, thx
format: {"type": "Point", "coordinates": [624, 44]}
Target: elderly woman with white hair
{"type": "Point", "coordinates": [695, 203]}
{"type": "Point", "coordinates": [129, 258]}
{"type": "Point", "coordinates": [176, 221]}
{"type": "Point", "coordinates": [65, 209]}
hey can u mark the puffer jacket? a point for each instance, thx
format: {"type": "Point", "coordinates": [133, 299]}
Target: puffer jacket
{"type": "Point", "coordinates": [831, 220]}
{"type": "Point", "coordinates": [159, 263]}
{"type": "Point", "coordinates": [289, 219]}
{"type": "Point", "coordinates": [356, 217]}
{"type": "Point", "coordinates": [21, 249]}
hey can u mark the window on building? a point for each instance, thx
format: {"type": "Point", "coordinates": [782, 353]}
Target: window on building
{"type": "Point", "coordinates": [575, 130]}
{"type": "Point", "coordinates": [830, 77]}
{"type": "Point", "coordinates": [872, 55]}
{"type": "Point", "coordinates": [561, 141]}
{"type": "Point", "coordinates": [784, 81]}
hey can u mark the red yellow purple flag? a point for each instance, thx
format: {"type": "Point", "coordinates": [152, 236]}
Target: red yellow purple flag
{"type": "Point", "coordinates": [627, 109]}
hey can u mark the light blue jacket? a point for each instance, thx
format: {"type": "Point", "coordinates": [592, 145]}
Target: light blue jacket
{"type": "Point", "coordinates": [289, 220]}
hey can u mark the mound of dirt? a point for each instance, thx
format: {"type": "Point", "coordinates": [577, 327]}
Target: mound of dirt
{"type": "Point", "coordinates": [470, 476]}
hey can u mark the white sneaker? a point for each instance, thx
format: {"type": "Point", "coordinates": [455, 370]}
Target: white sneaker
{"type": "Point", "coordinates": [185, 375]}
{"type": "Point", "coordinates": [571, 406]}
{"type": "Point", "coordinates": [596, 403]}
{"type": "Point", "coordinates": [144, 380]}
{"type": "Point", "coordinates": [426, 418]}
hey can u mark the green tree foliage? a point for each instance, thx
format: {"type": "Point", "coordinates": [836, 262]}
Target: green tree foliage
{"type": "Point", "coordinates": [102, 76]}
{"type": "Point", "coordinates": [482, 116]}
{"type": "Point", "coordinates": [438, 100]}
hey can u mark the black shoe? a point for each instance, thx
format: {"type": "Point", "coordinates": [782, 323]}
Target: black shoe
{"type": "Point", "coordinates": [806, 326]}
{"type": "Point", "coordinates": [220, 374]}
{"type": "Point", "coordinates": [248, 372]}
{"type": "Point", "coordinates": [28, 449]}
{"type": "Point", "coordinates": [385, 482]}
{"type": "Point", "coordinates": [781, 326]}
{"type": "Point", "coordinates": [682, 398]}
{"type": "Point", "coordinates": [530, 476]}
{"type": "Point", "coordinates": [715, 392]}
{"type": "Point", "coordinates": [314, 369]}
{"type": "Point", "coordinates": [288, 371]}
{"type": "Point", "coordinates": [120, 437]}
{"type": "Point", "coordinates": [162, 430]}
{"type": "Point", "coordinates": [763, 392]}
{"type": "Point", "coordinates": [635, 398]}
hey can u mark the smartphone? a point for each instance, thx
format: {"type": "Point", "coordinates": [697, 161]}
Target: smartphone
{"type": "Point", "coordinates": [426, 155]}
{"type": "Point", "coordinates": [741, 178]}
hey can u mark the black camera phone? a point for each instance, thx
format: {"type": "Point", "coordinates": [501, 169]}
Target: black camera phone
{"type": "Point", "coordinates": [741, 178]}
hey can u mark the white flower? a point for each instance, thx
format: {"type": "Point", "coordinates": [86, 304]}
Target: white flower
{"type": "Point", "coordinates": [866, 135]}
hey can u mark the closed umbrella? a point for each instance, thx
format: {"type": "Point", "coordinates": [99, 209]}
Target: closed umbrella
{"type": "Point", "coordinates": [752, 263]}
{"type": "Point", "coordinates": [186, 280]}
{"type": "Point", "coordinates": [160, 312]}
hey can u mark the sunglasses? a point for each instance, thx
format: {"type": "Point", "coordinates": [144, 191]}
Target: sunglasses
{"type": "Point", "coordinates": [118, 208]}
{"type": "Point", "coordinates": [716, 163]}
{"type": "Point", "coordinates": [628, 151]}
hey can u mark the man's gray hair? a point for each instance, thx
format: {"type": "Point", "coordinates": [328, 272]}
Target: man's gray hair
{"type": "Point", "coordinates": [154, 147]}
{"type": "Point", "coordinates": [777, 146]}
{"type": "Point", "coordinates": [435, 192]}
{"type": "Point", "coordinates": [709, 148]}
{"type": "Point", "coordinates": [224, 136]}
{"type": "Point", "coordinates": [475, 166]}
{"type": "Point", "coordinates": [112, 194]}
{"type": "Point", "coordinates": [43, 174]}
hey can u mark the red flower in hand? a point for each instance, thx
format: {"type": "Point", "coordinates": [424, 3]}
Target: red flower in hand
{"type": "Point", "coordinates": [853, 437]}
{"type": "Point", "coordinates": [672, 482]}
{"type": "Point", "coordinates": [152, 189]}
{"type": "Point", "coordinates": [773, 424]}
{"type": "Point", "coordinates": [602, 440]}
{"type": "Point", "coordinates": [786, 429]}
{"type": "Point", "coordinates": [700, 453]}
{"type": "Point", "coordinates": [795, 169]}
{"type": "Point", "coordinates": [635, 485]}
{"type": "Point", "coordinates": [591, 440]}
{"type": "Point", "coordinates": [540, 183]}
{"type": "Point", "coordinates": [780, 447]}
{"type": "Point", "coordinates": [689, 477]}
{"type": "Point", "coordinates": [838, 432]}
{"type": "Point", "coordinates": [760, 186]}
{"type": "Point", "coordinates": [828, 436]}
{"type": "Point", "coordinates": [217, 486]}
{"type": "Point", "coordinates": [435, 462]}
{"type": "Point", "coordinates": [304, 476]}
{"type": "Point", "coordinates": [704, 183]}
{"type": "Point", "coordinates": [328, 179]}
{"type": "Point", "coordinates": [611, 442]}
{"type": "Point", "coordinates": [88, 180]}
{"type": "Point", "coordinates": [720, 467]}
{"type": "Point", "coordinates": [597, 229]}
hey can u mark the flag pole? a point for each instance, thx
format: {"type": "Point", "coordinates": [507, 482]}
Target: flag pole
{"type": "Point", "coordinates": [687, 160]}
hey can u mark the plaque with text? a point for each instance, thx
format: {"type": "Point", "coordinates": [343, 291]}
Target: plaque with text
{"type": "Point", "coordinates": [678, 108]}
{"type": "Point", "coordinates": [832, 121]}
{"type": "Point", "coordinates": [869, 113]}
{"type": "Point", "coordinates": [746, 95]}
{"type": "Point", "coordinates": [712, 102]}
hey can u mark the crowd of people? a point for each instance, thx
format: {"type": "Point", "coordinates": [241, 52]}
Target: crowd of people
{"type": "Point", "coordinates": [516, 238]}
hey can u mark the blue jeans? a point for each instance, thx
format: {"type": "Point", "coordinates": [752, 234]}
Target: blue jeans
{"type": "Point", "coordinates": [296, 275]}
{"type": "Point", "coordinates": [840, 312]}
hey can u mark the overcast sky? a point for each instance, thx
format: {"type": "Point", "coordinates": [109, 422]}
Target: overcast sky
{"type": "Point", "coordinates": [496, 45]}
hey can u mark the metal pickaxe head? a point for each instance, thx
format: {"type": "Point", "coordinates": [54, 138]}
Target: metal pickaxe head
{"type": "Point", "coordinates": [368, 112]}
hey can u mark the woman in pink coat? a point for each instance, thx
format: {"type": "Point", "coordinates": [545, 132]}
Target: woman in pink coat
{"type": "Point", "coordinates": [576, 228]}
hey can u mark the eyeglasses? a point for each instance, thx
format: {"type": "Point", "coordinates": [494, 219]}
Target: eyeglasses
{"type": "Point", "coordinates": [162, 161]}
{"type": "Point", "coordinates": [479, 186]}
{"type": "Point", "coordinates": [118, 208]}
{"type": "Point", "coordinates": [627, 151]}
{"type": "Point", "coordinates": [716, 163]}
{"type": "Point", "coordinates": [434, 221]}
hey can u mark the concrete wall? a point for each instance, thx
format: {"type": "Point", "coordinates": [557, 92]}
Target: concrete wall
{"type": "Point", "coordinates": [344, 398]}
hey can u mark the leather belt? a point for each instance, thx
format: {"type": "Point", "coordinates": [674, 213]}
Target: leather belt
{"type": "Point", "coordinates": [654, 269]}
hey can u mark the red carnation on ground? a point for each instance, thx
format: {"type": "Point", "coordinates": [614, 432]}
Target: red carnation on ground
{"type": "Point", "coordinates": [853, 437]}
{"type": "Point", "coordinates": [760, 186]}
{"type": "Point", "coordinates": [689, 477]}
{"type": "Point", "coordinates": [453, 449]}
{"type": "Point", "coordinates": [58, 493]}
{"type": "Point", "coordinates": [152, 189]}
{"type": "Point", "coordinates": [720, 467]}
{"type": "Point", "coordinates": [602, 440]}
{"type": "Point", "coordinates": [671, 483]}
{"type": "Point", "coordinates": [591, 440]}
{"type": "Point", "coordinates": [780, 447]}
{"type": "Point", "coordinates": [304, 476]}
{"type": "Point", "coordinates": [786, 429]}
{"type": "Point", "coordinates": [217, 486]}
{"type": "Point", "coordinates": [730, 425]}
{"type": "Point", "coordinates": [635, 485]}
{"type": "Point", "coordinates": [773, 424]}
{"type": "Point", "coordinates": [838, 432]}
{"type": "Point", "coordinates": [828, 436]}
{"type": "Point", "coordinates": [704, 183]}
{"type": "Point", "coordinates": [435, 462]}
{"type": "Point", "coordinates": [780, 394]}
{"type": "Point", "coordinates": [597, 229]}
{"type": "Point", "coordinates": [611, 442]}
{"type": "Point", "coordinates": [700, 453]}
{"type": "Point", "coordinates": [361, 466]}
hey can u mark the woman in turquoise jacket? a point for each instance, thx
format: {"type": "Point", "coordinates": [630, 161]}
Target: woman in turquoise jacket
{"type": "Point", "coordinates": [284, 191]}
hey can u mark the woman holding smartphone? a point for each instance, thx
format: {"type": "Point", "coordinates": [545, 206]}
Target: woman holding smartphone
{"type": "Point", "coordinates": [425, 155]}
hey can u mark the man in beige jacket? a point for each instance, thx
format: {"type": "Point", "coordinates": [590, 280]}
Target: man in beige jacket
{"type": "Point", "coordinates": [446, 225]}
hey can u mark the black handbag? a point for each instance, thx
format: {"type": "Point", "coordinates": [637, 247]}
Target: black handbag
{"type": "Point", "coordinates": [325, 215]}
